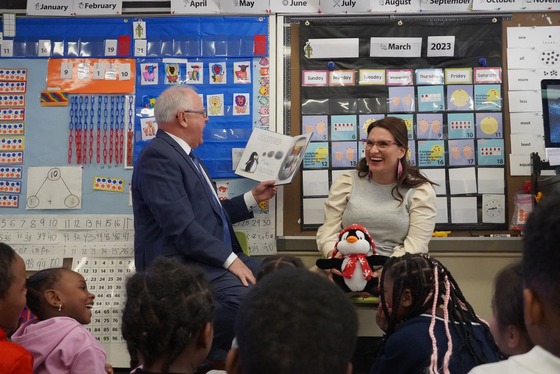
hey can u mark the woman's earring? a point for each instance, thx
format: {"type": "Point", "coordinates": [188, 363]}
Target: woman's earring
{"type": "Point", "coordinates": [60, 307]}
{"type": "Point", "coordinates": [399, 169]}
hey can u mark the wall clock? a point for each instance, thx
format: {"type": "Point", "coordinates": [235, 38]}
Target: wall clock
{"type": "Point", "coordinates": [493, 209]}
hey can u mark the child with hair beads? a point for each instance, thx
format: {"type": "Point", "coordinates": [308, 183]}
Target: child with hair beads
{"type": "Point", "coordinates": [167, 318]}
{"type": "Point", "coordinates": [430, 327]}
{"type": "Point", "coordinates": [14, 359]}
{"type": "Point", "coordinates": [507, 324]}
{"type": "Point", "coordinates": [57, 340]}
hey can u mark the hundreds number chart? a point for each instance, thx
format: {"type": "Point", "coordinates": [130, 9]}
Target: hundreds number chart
{"type": "Point", "coordinates": [105, 278]}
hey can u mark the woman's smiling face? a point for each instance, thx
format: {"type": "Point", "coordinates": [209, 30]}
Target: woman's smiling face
{"type": "Point", "coordinates": [382, 155]}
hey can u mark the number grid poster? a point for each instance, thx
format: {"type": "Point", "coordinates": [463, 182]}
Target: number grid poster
{"type": "Point", "coordinates": [443, 77]}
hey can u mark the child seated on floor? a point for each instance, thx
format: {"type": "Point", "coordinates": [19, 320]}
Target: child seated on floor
{"type": "Point", "coordinates": [294, 321]}
{"type": "Point", "coordinates": [14, 359]}
{"type": "Point", "coordinates": [276, 262]}
{"type": "Point", "coordinates": [430, 327]}
{"type": "Point", "coordinates": [167, 318]}
{"type": "Point", "coordinates": [57, 340]}
{"type": "Point", "coordinates": [507, 324]}
{"type": "Point", "coordinates": [541, 307]}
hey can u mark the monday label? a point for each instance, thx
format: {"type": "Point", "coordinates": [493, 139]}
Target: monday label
{"type": "Point", "coordinates": [342, 78]}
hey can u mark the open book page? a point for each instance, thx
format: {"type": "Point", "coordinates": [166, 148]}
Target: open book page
{"type": "Point", "coordinates": [269, 155]}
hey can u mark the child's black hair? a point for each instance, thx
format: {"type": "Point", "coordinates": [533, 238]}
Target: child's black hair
{"type": "Point", "coordinates": [166, 308]}
{"type": "Point", "coordinates": [541, 254]}
{"type": "Point", "coordinates": [276, 262]}
{"type": "Point", "coordinates": [36, 286]}
{"type": "Point", "coordinates": [296, 321]}
{"type": "Point", "coordinates": [425, 277]}
{"type": "Point", "coordinates": [507, 301]}
{"type": "Point", "coordinates": [7, 258]}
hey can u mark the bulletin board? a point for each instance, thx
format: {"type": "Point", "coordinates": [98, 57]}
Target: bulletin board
{"type": "Point", "coordinates": [67, 213]}
{"type": "Point", "coordinates": [512, 185]}
{"type": "Point", "coordinates": [455, 128]}
{"type": "Point", "coordinates": [68, 112]}
{"type": "Point", "coordinates": [226, 61]}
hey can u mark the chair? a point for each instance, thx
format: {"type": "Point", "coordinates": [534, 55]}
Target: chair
{"type": "Point", "coordinates": [243, 241]}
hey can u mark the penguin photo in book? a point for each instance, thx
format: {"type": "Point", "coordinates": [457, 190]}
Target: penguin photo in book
{"type": "Point", "coordinates": [252, 163]}
{"type": "Point", "coordinates": [359, 258]}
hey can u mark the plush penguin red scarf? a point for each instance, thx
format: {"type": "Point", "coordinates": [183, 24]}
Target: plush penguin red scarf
{"type": "Point", "coordinates": [351, 266]}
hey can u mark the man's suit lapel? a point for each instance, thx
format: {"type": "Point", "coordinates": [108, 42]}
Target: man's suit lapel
{"type": "Point", "coordinates": [164, 136]}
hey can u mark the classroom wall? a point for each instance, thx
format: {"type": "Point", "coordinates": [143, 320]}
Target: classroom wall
{"type": "Point", "coordinates": [46, 145]}
{"type": "Point", "coordinates": [514, 180]}
{"type": "Point", "coordinates": [94, 235]}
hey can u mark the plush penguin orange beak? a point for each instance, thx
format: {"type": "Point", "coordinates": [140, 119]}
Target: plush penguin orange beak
{"type": "Point", "coordinates": [352, 239]}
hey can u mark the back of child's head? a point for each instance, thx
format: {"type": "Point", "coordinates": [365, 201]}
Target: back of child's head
{"type": "Point", "coordinates": [295, 321]}
{"type": "Point", "coordinates": [277, 262]}
{"type": "Point", "coordinates": [167, 306]}
{"type": "Point", "coordinates": [12, 287]}
{"type": "Point", "coordinates": [431, 286]}
{"type": "Point", "coordinates": [507, 307]}
{"type": "Point", "coordinates": [541, 258]}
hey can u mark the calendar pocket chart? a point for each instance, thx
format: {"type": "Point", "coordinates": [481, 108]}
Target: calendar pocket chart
{"type": "Point", "coordinates": [451, 102]}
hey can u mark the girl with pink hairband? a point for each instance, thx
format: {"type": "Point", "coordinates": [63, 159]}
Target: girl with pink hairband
{"type": "Point", "coordinates": [430, 327]}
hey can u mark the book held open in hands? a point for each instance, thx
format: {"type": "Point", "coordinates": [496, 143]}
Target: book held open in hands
{"type": "Point", "coordinates": [269, 155]}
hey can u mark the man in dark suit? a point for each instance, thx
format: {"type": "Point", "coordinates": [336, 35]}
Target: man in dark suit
{"type": "Point", "coordinates": [177, 212]}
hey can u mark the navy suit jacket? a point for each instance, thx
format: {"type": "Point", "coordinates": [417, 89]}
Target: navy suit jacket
{"type": "Point", "coordinates": [173, 211]}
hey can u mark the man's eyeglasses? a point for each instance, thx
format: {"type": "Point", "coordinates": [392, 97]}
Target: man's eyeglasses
{"type": "Point", "coordinates": [204, 112]}
{"type": "Point", "coordinates": [381, 144]}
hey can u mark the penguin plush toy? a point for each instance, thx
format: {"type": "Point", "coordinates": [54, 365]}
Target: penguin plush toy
{"type": "Point", "coordinates": [359, 257]}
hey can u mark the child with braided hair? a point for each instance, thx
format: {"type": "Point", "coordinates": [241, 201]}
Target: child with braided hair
{"type": "Point", "coordinates": [430, 327]}
{"type": "Point", "coordinates": [167, 318]}
{"type": "Point", "coordinates": [56, 338]}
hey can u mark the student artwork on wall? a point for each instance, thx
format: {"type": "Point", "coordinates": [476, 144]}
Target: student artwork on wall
{"type": "Point", "coordinates": [450, 99]}
{"type": "Point", "coordinates": [226, 61]}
